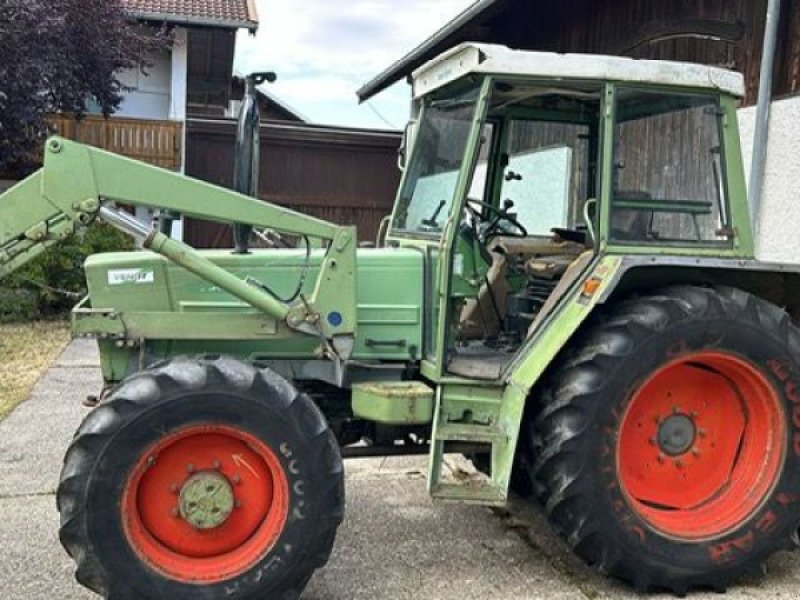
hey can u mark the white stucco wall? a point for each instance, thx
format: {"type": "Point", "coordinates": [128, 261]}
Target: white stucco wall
{"type": "Point", "coordinates": [779, 231]}
{"type": "Point", "coordinates": [180, 75]}
{"type": "Point", "coordinates": [161, 93]}
{"type": "Point", "coordinates": [150, 97]}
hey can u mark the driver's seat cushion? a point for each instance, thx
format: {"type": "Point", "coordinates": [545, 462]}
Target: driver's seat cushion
{"type": "Point", "coordinates": [479, 317]}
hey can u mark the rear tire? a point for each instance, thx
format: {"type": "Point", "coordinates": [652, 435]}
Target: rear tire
{"type": "Point", "coordinates": [667, 444]}
{"type": "Point", "coordinates": [125, 493]}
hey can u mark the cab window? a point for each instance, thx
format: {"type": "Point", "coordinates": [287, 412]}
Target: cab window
{"type": "Point", "coordinates": [668, 184]}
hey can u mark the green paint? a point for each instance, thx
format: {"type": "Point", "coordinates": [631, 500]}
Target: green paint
{"type": "Point", "coordinates": [140, 295]}
{"type": "Point", "coordinates": [393, 402]}
{"type": "Point", "coordinates": [206, 500]}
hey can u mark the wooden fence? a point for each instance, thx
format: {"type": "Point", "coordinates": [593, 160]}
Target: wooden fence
{"type": "Point", "coordinates": [156, 142]}
{"type": "Point", "coordinates": [344, 175]}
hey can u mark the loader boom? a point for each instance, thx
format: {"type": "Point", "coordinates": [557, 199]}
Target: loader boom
{"type": "Point", "coordinates": [79, 184]}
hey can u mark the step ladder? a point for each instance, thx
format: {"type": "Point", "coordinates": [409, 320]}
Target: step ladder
{"type": "Point", "coordinates": [475, 421]}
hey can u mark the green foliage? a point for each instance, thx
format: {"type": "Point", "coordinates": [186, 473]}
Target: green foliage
{"type": "Point", "coordinates": [52, 283]}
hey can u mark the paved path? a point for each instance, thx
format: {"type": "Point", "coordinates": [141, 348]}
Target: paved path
{"type": "Point", "coordinates": [395, 543]}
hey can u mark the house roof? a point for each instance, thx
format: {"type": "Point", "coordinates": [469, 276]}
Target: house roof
{"type": "Point", "coordinates": [269, 98]}
{"type": "Point", "coordinates": [230, 14]}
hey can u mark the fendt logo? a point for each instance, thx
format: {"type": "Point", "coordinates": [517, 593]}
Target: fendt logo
{"type": "Point", "coordinates": [124, 276]}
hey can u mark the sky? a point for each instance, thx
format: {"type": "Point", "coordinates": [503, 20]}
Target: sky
{"type": "Point", "coordinates": [324, 50]}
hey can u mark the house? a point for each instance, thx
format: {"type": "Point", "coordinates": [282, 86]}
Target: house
{"type": "Point", "coordinates": [727, 33]}
{"type": "Point", "coordinates": [194, 77]}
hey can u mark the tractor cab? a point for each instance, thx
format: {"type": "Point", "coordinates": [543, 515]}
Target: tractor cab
{"type": "Point", "coordinates": [524, 168]}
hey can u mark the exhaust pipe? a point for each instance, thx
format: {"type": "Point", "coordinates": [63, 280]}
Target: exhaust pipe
{"type": "Point", "coordinates": [247, 155]}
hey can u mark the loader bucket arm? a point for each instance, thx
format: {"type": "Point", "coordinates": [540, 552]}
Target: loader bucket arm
{"type": "Point", "coordinates": [79, 184]}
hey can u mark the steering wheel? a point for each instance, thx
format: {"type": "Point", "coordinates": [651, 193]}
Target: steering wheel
{"type": "Point", "coordinates": [501, 221]}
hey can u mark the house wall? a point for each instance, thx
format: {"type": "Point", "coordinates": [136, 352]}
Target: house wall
{"type": "Point", "coordinates": [150, 97]}
{"type": "Point", "coordinates": [160, 93]}
{"type": "Point", "coordinates": [779, 219]}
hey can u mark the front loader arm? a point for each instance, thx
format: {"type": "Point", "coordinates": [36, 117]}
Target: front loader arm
{"type": "Point", "coordinates": [79, 184]}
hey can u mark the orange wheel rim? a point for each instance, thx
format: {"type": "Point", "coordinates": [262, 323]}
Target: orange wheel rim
{"type": "Point", "coordinates": [701, 445]}
{"type": "Point", "coordinates": [165, 534]}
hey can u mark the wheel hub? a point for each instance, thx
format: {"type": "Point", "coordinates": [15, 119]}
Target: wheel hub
{"type": "Point", "coordinates": [206, 500]}
{"type": "Point", "coordinates": [676, 434]}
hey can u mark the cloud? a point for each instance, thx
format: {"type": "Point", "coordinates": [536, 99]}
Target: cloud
{"type": "Point", "coordinates": [323, 51]}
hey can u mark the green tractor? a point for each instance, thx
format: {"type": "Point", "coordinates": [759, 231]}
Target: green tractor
{"type": "Point", "coordinates": [566, 293]}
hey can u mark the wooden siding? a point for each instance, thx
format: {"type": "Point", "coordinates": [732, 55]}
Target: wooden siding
{"type": "Point", "coordinates": [341, 175]}
{"type": "Point", "coordinates": [156, 142]}
{"type": "Point", "coordinates": [727, 33]}
{"type": "Point", "coordinates": [210, 63]}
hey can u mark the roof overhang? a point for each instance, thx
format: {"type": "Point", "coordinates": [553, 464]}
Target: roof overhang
{"type": "Point", "coordinates": [490, 59]}
{"type": "Point", "coordinates": [417, 57]}
{"type": "Point", "coordinates": [193, 21]}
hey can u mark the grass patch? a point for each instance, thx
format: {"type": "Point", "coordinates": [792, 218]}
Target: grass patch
{"type": "Point", "coordinates": [27, 350]}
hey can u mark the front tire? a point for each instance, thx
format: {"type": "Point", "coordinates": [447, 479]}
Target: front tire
{"type": "Point", "coordinates": [668, 440]}
{"type": "Point", "coordinates": [202, 478]}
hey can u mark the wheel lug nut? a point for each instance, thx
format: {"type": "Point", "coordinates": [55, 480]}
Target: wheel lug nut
{"type": "Point", "coordinates": [679, 463]}
{"type": "Point", "coordinates": [238, 504]}
{"type": "Point", "coordinates": [190, 468]}
{"type": "Point", "coordinates": [695, 414]}
{"type": "Point", "coordinates": [696, 451]}
{"type": "Point", "coordinates": [653, 441]}
{"type": "Point", "coordinates": [236, 479]}
{"type": "Point", "coordinates": [174, 488]}
{"type": "Point", "coordinates": [151, 461]}
{"type": "Point", "coordinates": [701, 432]}
{"type": "Point", "coordinates": [676, 409]}
{"type": "Point", "coordinates": [176, 512]}
{"type": "Point", "coordinates": [661, 458]}
{"type": "Point", "coordinates": [217, 465]}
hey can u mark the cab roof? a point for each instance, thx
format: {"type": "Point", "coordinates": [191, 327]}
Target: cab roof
{"type": "Point", "coordinates": [500, 60]}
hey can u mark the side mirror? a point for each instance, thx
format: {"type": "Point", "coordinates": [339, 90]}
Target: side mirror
{"type": "Point", "coordinates": [402, 152]}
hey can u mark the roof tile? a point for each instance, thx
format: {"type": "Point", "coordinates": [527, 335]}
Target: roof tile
{"type": "Point", "coordinates": [230, 13]}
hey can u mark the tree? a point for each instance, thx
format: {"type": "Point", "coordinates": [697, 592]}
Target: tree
{"type": "Point", "coordinates": [58, 56]}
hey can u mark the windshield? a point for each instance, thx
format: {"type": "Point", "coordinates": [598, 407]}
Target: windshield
{"type": "Point", "coordinates": [429, 189]}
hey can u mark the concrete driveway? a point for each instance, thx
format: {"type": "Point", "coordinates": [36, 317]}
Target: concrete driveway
{"type": "Point", "coordinates": [394, 544]}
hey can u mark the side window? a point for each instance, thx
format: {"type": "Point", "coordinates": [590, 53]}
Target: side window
{"type": "Point", "coordinates": [668, 183]}
{"type": "Point", "coordinates": [547, 174]}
